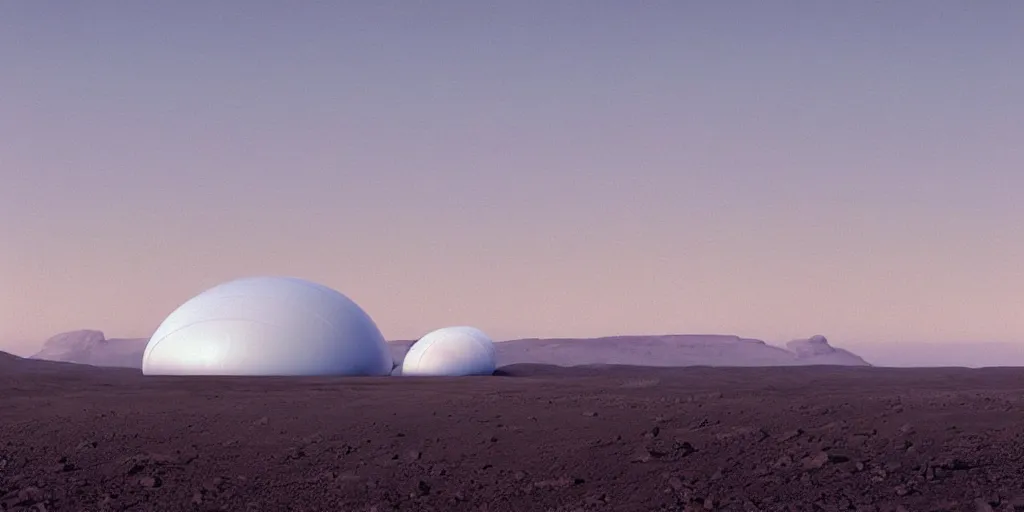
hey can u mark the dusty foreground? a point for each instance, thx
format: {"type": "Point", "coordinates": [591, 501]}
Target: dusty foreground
{"type": "Point", "coordinates": [540, 438]}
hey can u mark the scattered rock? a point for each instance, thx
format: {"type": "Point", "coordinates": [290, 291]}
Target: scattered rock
{"type": "Point", "coordinates": [150, 482]}
{"type": "Point", "coordinates": [423, 488]}
{"type": "Point", "coordinates": [683, 448]}
{"type": "Point", "coordinates": [675, 483]}
{"type": "Point", "coordinates": [837, 458]}
{"type": "Point", "coordinates": [643, 454]}
{"type": "Point", "coordinates": [815, 461]}
{"type": "Point", "coordinates": [825, 452]}
{"type": "Point", "coordinates": [791, 435]}
{"type": "Point", "coordinates": [87, 445]}
{"type": "Point", "coordinates": [214, 484]}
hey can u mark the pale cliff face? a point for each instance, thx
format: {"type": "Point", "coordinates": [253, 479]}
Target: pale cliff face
{"type": "Point", "coordinates": [91, 347]}
{"type": "Point", "coordinates": [672, 350]}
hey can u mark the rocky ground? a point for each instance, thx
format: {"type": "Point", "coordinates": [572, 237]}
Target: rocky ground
{"type": "Point", "coordinates": [538, 438]}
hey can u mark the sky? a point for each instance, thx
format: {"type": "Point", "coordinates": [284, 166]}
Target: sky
{"type": "Point", "coordinates": [534, 168]}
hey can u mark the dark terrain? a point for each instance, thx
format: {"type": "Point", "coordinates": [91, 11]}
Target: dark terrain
{"type": "Point", "coordinates": [535, 438]}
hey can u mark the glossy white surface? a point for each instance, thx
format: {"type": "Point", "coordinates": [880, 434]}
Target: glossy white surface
{"type": "Point", "coordinates": [451, 352]}
{"type": "Point", "coordinates": [268, 326]}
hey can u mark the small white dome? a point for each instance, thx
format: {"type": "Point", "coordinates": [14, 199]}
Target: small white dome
{"type": "Point", "coordinates": [451, 352]}
{"type": "Point", "coordinates": [268, 326]}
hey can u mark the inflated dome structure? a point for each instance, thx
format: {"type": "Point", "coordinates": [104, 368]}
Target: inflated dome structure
{"type": "Point", "coordinates": [268, 326]}
{"type": "Point", "coordinates": [451, 352]}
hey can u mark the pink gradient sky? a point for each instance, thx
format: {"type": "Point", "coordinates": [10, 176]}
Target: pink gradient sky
{"type": "Point", "coordinates": [533, 169]}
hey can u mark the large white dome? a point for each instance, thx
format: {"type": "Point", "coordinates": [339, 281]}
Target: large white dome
{"type": "Point", "coordinates": [268, 326]}
{"type": "Point", "coordinates": [451, 352]}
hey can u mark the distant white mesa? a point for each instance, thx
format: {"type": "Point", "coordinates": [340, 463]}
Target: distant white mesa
{"type": "Point", "coordinates": [451, 352]}
{"type": "Point", "coordinates": [268, 326]}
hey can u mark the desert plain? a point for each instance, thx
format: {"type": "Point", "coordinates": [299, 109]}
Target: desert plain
{"type": "Point", "coordinates": [533, 437]}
